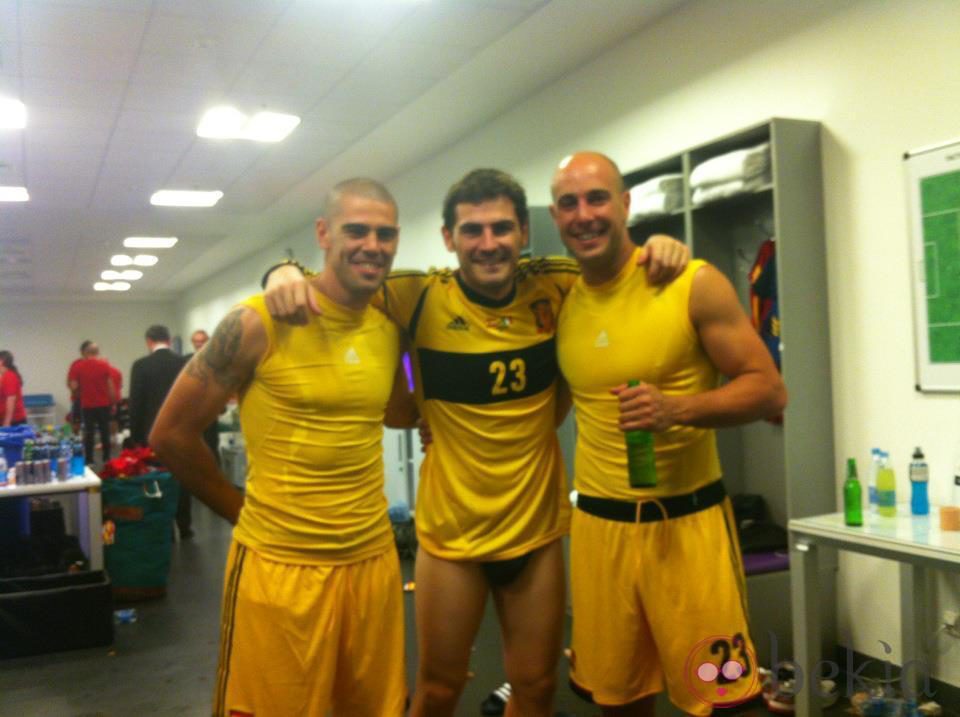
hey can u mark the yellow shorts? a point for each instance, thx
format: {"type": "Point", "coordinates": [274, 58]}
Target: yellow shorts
{"type": "Point", "coordinates": [663, 601]}
{"type": "Point", "coordinates": [310, 640]}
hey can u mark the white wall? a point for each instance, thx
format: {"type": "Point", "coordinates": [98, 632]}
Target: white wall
{"type": "Point", "coordinates": [45, 337]}
{"type": "Point", "coordinates": [881, 75]}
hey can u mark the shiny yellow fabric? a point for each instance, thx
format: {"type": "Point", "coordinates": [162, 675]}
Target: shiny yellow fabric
{"type": "Point", "coordinates": [627, 329]}
{"type": "Point", "coordinates": [312, 422]}
{"type": "Point", "coordinates": [311, 640]}
{"type": "Point", "coordinates": [492, 484]}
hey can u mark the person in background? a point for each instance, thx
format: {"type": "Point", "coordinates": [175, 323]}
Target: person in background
{"type": "Point", "coordinates": [312, 619]}
{"type": "Point", "coordinates": [656, 573]}
{"type": "Point", "coordinates": [199, 339]}
{"type": "Point", "coordinates": [12, 410]}
{"type": "Point", "coordinates": [76, 412]}
{"type": "Point", "coordinates": [211, 435]}
{"type": "Point", "coordinates": [151, 378]}
{"type": "Point", "coordinates": [92, 379]}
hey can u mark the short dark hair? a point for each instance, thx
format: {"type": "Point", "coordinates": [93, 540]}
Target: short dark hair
{"type": "Point", "coordinates": [158, 332]}
{"type": "Point", "coordinates": [85, 345]}
{"type": "Point", "coordinates": [358, 187]}
{"type": "Point", "coordinates": [482, 185]}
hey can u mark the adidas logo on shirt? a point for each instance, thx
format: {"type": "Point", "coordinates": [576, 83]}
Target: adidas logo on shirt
{"type": "Point", "coordinates": [458, 324]}
{"type": "Point", "coordinates": [602, 340]}
{"type": "Point", "coordinates": [351, 357]}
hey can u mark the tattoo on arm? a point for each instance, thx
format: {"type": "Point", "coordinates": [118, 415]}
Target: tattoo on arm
{"type": "Point", "coordinates": [216, 359]}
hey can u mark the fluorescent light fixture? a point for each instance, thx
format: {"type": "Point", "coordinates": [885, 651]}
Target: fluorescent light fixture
{"type": "Point", "coordinates": [14, 194]}
{"type": "Point", "coordinates": [184, 198]}
{"type": "Point", "coordinates": [13, 114]}
{"type": "Point", "coordinates": [138, 260]}
{"type": "Point", "coordinates": [111, 286]}
{"type": "Point", "coordinates": [149, 242]}
{"type": "Point", "coordinates": [125, 275]}
{"type": "Point", "coordinates": [227, 122]}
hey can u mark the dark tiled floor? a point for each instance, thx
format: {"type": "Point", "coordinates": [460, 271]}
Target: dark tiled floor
{"type": "Point", "coordinates": [164, 663]}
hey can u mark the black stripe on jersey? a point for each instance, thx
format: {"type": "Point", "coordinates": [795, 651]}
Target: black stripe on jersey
{"type": "Point", "coordinates": [415, 317]}
{"type": "Point", "coordinates": [488, 377]}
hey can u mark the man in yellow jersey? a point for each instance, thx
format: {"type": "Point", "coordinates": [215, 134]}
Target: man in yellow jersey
{"type": "Point", "coordinates": [492, 502]}
{"type": "Point", "coordinates": [658, 587]}
{"type": "Point", "coordinates": [312, 619]}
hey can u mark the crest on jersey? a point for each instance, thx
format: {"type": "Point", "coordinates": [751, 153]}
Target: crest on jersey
{"type": "Point", "coordinates": [543, 314]}
{"type": "Point", "coordinates": [499, 322]}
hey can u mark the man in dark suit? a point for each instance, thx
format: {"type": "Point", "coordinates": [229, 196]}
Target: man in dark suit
{"type": "Point", "coordinates": [150, 380]}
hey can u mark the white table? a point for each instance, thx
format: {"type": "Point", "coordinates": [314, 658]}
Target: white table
{"type": "Point", "coordinates": [89, 515]}
{"type": "Point", "coordinates": [916, 542]}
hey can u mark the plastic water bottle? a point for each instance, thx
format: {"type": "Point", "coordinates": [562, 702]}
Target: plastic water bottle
{"type": "Point", "coordinates": [872, 485]}
{"type": "Point", "coordinates": [886, 487]}
{"type": "Point", "coordinates": [3, 469]}
{"type": "Point", "coordinates": [641, 460]}
{"type": "Point", "coordinates": [77, 461]}
{"type": "Point", "coordinates": [852, 496]}
{"type": "Point", "coordinates": [919, 480]}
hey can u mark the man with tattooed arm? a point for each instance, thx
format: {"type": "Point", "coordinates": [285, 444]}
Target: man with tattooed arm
{"type": "Point", "coordinates": [312, 619]}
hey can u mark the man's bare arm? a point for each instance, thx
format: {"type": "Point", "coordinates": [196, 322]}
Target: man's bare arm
{"type": "Point", "coordinates": [754, 390]}
{"type": "Point", "coordinates": [222, 368]}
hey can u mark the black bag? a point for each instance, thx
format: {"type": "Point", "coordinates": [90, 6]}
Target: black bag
{"type": "Point", "coordinates": [757, 533]}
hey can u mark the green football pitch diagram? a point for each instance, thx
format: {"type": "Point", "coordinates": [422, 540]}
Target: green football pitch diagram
{"type": "Point", "coordinates": [940, 202]}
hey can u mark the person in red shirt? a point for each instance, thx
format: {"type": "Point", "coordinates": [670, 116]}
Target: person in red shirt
{"type": "Point", "coordinates": [91, 377]}
{"type": "Point", "coordinates": [12, 410]}
{"type": "Point", "coordinates": [75, 415]}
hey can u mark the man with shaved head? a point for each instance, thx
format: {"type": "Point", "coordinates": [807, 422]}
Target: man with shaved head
{"type": "Point", "coordinates": [658, 587]}
{"type": "Point", "coordinates": [312, 619]}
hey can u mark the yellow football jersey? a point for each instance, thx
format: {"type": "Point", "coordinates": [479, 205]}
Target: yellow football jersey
{"type": "Point", "coordinates": [312, 420]}
{"type": "Point", "coordinates": [492, 483]}
{"type": "Point", "coordinates": [628, 329]}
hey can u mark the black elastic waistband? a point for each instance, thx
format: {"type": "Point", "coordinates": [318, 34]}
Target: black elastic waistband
{"type": "Point", "coordinates": [648, 511]}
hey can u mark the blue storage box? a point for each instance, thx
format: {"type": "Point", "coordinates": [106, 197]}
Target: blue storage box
{"type": "Point", "coordinates": [37, 400]}
{"type": "Point", "coordinates": [11, 441]}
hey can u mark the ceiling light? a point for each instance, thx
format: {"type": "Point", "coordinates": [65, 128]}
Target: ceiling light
{"type": "Point", "coordinates": [121, 260]}
{"type": "Point", "coordinates": [226, 122]}
{"type": "Point", "coordinates": [145, 260]}
{"type": "Point", "coordinates": [125, 275]}
{"type": "Point", "coordinates": [184, 198]}
{"type": "Point", "coordinates": [13, 114]}
{"type": "Point", "coordinates": [111, 286]}
{"type": "Point", "coordinates": [149, 242]}
{"type": "Point", "coordinates": [14, 194]}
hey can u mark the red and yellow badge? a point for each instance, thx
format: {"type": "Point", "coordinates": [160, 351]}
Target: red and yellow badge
{"type": "Point", "coordinates": [499, 322]}
{"type": "Point", "coordinates": [543, 314]}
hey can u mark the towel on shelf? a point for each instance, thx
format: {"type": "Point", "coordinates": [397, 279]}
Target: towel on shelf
{"type": "Point", "coordinates": [655, 197]}
{"type": "Point", "coordinates": [742, 164]}
{"type": "Point", "coordinates": [668, 183]}
{"type": "Point", "coordinates": [653, 205]}
{"type": "Point", "coordinates": [713, 192]}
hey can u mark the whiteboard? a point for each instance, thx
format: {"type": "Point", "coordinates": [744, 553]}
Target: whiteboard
{"type": "Point", "coordinates": [933, 190]}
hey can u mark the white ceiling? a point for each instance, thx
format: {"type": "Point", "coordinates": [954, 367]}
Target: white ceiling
{"type": "Point", "coordinates": [115, 88]}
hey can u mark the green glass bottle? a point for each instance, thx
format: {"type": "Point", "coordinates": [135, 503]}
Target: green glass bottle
{"type": "Point", "coordinates": [641, 458]}
{"type": "Point", "coordinates": [852, 496]}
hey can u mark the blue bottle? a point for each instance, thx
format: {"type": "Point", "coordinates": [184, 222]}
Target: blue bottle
{"type": "Point", "coordinates": [919, 480]}
{"type": "Point", "coordinates": [76, 460]}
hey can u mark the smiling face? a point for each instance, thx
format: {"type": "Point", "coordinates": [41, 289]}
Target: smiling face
{"type": "Point", "coordinates": [487, 238]}
{"type": "Point", "coordinates": [360, 238]}
{"type": "Point", "coordinates": [590, 208]}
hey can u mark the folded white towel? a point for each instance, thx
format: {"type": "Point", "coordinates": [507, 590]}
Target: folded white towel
{"type": "Point", "coordinates": [652, 205]}
{"type": "Point", "coordinates": [663, 183]}
{"type": "Point", "coordinates": [712, 192]}
{"type": "Point", "coordinates": [739, 164]}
